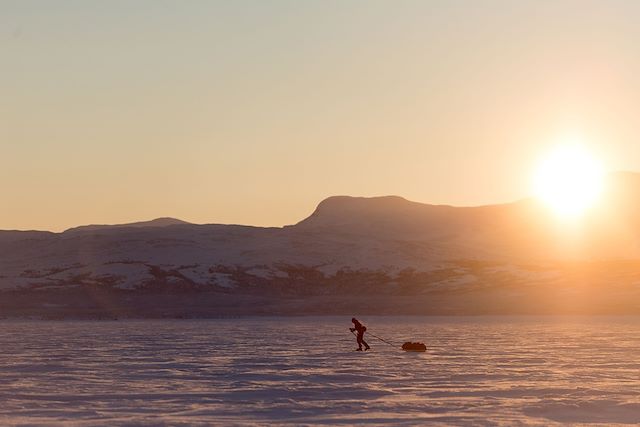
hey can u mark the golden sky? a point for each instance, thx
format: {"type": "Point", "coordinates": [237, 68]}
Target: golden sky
{"type": "Point", "coordinates": [251, 112]}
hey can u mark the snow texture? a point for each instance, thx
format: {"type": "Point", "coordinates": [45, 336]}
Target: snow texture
{"type": "Point", "coordinates": [303, 371]}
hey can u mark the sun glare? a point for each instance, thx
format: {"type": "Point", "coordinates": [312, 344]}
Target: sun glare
{"type": "Point", "coordinates": [569, 180]}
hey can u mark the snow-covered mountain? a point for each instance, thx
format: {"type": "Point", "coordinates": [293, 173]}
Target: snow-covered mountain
{"type": "Point", "coordinates": [387, 253]}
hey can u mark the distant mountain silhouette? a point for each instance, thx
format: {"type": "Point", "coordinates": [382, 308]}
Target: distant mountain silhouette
{"type": "Point", "coordinates": [158, 222]}
{"type": "Point", "coordinates": [388, 253]}
{"type": "Point", "coordinates": [395, 217]}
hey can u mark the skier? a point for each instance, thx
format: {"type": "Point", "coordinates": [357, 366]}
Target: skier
{"type": "Point", "coordinates": [360, 328]}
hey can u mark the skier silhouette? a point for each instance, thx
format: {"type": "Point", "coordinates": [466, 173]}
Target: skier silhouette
{"type": "Point", "coordinates": [360, 328]}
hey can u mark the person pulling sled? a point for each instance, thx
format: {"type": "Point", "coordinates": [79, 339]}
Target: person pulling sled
{"type": "Point", "coordinates": [360, 329]}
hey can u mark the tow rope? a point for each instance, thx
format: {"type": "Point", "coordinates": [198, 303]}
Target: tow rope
{"type": "Point", "coordinates": [381, 339]}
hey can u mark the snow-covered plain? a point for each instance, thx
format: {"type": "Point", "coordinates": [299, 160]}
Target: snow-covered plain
{"type": "Point", "coordinates": [303, 371]}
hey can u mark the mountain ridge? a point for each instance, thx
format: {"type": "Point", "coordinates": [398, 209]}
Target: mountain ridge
{"type": "Point", "coordinates": [157, 222]}
{"type": "Point", "coordinates": [386, 253]}
{"type": "Point", "coordinates": [622, 184]}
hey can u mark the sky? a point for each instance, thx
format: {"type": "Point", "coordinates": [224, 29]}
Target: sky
{"type": "Point", "coordinates": [251, 112]}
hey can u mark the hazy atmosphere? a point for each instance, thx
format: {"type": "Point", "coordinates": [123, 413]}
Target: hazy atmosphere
{"type": "Point", "coordinates": [319, 213]}
{"type": "Point", "coordinates": [252, 112]}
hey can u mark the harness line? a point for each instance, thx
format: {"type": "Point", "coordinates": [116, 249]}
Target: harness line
{"type": "Point", "coordinates": [381, 339]}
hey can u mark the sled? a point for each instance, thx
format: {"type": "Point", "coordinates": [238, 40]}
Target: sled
{"type": "Point", "coordinates": [414, 346]}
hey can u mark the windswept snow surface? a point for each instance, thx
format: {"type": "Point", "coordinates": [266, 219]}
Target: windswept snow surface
{"type": "Point", "coordinates": [303, 371]}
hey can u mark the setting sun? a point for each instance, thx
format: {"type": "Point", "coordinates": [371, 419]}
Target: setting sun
{"type": "Point", "coordinates": [569, 180]}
